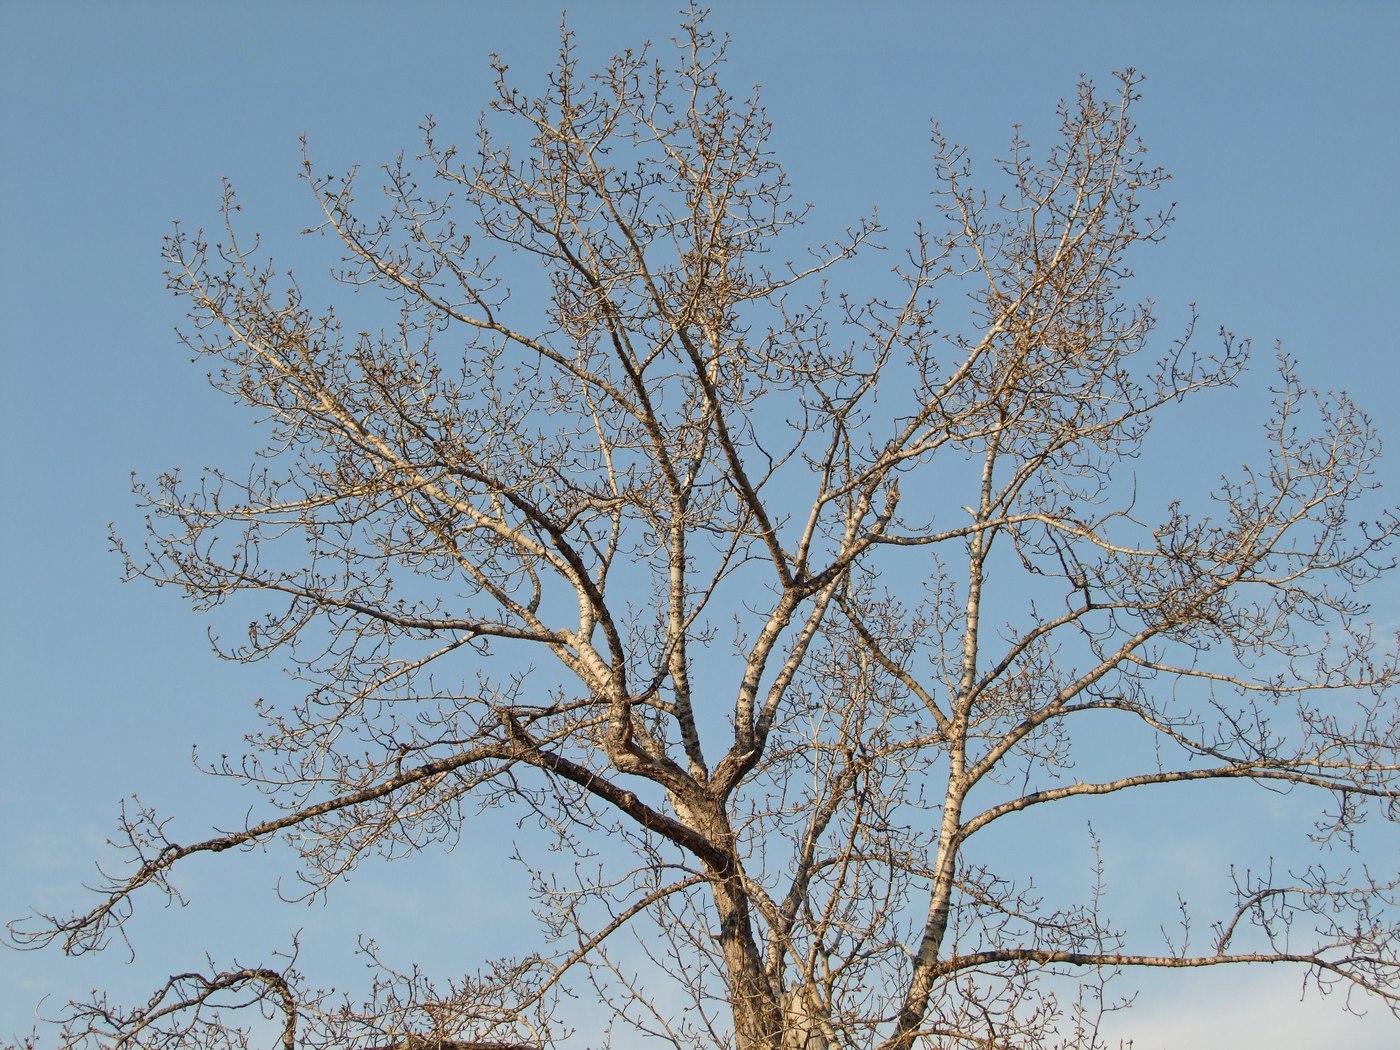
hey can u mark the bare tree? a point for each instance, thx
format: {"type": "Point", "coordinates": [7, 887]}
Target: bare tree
{"type": "Point", "coordinates": [768, 601]}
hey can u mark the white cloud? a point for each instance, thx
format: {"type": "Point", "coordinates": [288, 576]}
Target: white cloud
{"type": "Point", "coordinates": [1241, 1009]}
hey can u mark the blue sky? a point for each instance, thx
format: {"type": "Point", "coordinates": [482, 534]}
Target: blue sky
{"type": "Point", "coordinates": [1277, 119]}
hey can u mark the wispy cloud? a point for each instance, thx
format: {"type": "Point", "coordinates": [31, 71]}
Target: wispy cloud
{"type": "Point", "coordinates": [1239, 1009]}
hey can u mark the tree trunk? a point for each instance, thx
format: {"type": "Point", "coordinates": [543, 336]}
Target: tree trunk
{"type": "Point", "coordinates": [756, 1004]}
{"type": "Point", "coordinates": [758, 1016]}
{"type": "Point", "coordinates": [911, 1016]}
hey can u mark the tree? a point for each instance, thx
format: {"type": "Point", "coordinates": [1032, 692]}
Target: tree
{"type": "Point", "coordinates": [766, 601]}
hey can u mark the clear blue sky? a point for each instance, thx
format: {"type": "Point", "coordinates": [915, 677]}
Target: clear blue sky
{"type": "Point", "coordinates": [1278, 119]}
